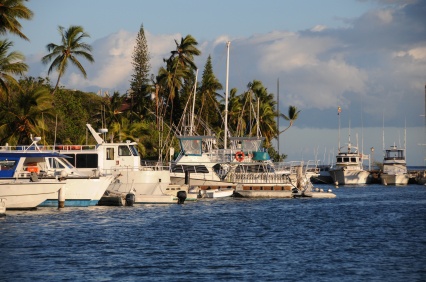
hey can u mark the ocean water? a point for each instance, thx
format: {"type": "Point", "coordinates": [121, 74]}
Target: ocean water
{"type": "Point", "coordinates": [367, 233]}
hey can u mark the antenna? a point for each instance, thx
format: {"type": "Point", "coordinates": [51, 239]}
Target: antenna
{"type": "Point", "coordinates": [225, 138]}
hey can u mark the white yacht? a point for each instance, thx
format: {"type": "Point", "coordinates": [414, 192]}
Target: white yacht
{"type": "Point", "coordinates": [149, 183]}
{"type": "Point", "coordinates": [394, 167]}
{"type": "Point", "coordinates": [348, 168]}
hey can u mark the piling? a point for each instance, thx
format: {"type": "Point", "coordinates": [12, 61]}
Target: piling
{"type": "Point", "coordinates": [61, 198]}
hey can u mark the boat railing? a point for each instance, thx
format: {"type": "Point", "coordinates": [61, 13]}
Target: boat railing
{"type": "Point", "coordinates": [282, 167]}
{"type": "Point", "coordinates": [115, 169]}
{"type": "Point", "coordinates": [250, 177]}
{"type": "Point", "coordinates": [62, 148]}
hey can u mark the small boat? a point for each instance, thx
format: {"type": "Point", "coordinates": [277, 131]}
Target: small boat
{"type": "Point", "coordinates": [394, 167]}
{"type": "Point", "coordinates": [216, 193]}
{"type": "Point", "coordinates": [21, 186]}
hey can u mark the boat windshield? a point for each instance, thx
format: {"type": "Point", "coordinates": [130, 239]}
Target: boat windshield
{"type": "Point", "coordinates": [134, 150]}
{"type": "Point", "coordinates": [191, 146]}
{"type": "Point", "coordinates": [59, 163]}
{"type": "Point", "coordinates": [7, 165]}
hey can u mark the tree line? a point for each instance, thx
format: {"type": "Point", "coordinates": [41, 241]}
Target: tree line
{"type": "Point", "coordinates": [156, 108]}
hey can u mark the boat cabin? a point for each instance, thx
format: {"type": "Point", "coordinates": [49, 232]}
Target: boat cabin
{"type": "Point", "coordinates": [394, 154]}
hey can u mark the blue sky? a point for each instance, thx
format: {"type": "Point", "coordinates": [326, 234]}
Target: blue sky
{"type": "Point", "coordinates": [367, 56]}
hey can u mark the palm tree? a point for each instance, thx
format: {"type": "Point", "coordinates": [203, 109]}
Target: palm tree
{"type": "Point", "coordinates": [31, 104]}
{"type": "Point", "coordinates": [185, 52]}
{"type": "Point", "coordinates": [72, 46]}
{"type": "Point", "coordinates": [10, 12]}
{"type": "Point", "coordinates": [181, 65]}
{"type": "Point", "coordinates": [10, 64]}
{"type": "Point", "coordinates": [292, 115]}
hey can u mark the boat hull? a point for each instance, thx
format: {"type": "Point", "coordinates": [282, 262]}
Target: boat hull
{"type": "Point", "coordinates": [394, 179]}
{"type": "Point", "coordinates": [81, 192]}
{"type": "Point", "coordinates": [22, 195]}
{"type": "Point", "coordinates": [141, 182]}
{"type": "Point", "coordinates": [349, 177]}
{"type": "Point", "coordinates": [202, 183]}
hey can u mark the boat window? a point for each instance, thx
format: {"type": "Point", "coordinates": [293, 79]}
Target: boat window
{"type": "Point", "coordinates": [134, 150]}
{"type": "Point", "coordinates": [7, 165]}
{"type": "Point", "coordinates": [353, 160]}
{"type": "Point", "coordinates": [66, 162]}
{"type": "Point", "coordinates": [109, 153]}
{"type": "Point", "coordinates": [339, 160]}
{"type": "Point", "coordinates": [124, 151]}
{"type": "Point", "coordinates": [346, 160]}
{"type": "Point", "coordinates": [54, 163]}
{"type": "Point", "coordinates": [191, 147]}
{"type": "Point", "coordinates": [85, 160]}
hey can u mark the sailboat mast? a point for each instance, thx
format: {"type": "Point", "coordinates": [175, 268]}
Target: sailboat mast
{"type": "Point", "coordinates": [338, 117]}
{"type": "Point", "coordinates": [193, 105]}
{"type": "Point", "coordinates": [225, 138]}
{"type": "Point", "coordinates": [278, 114]}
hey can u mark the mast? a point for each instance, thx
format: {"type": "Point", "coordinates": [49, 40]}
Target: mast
{"type": "Point", "coordinates": [338, 116]}
{"type": "Point", "coordinates": [278, 113]}
{"type": "Point", "coordinates": [225, 138]}
{"type": "Point", "coordinates": [193, 105]}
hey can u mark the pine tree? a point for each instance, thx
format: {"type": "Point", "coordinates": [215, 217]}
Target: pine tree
{"type": "Point", "coordinates": [207, 98]}
{"type": "Point", "coordinates": [139, 84]}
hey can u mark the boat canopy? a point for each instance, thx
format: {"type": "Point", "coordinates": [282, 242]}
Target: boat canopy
{"type": "Point", "coordinates": [27, 154]}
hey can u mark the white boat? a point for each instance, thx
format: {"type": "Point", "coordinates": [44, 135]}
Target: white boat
{"type": "Point", "coordinates": [149, 182]}
{"type": "Point", "coordinates": [20, 185]}
{"type": "Point", "coordinates": [79, 191]}
{"type": "Point", "coordinates": [394, 167]}
{"type": "Point", "coordinates": [244, 167]}
{"type": "Point", "coordinates": [348, 169]}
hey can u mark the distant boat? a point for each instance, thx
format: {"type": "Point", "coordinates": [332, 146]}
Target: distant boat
{"type": "Point", "coordinates": [348, 169]}
{"type": "Point", "coordinates": [394, 167]}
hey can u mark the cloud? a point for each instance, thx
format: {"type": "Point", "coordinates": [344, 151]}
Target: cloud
{"type": "Point", "coordinates": [376, 65]}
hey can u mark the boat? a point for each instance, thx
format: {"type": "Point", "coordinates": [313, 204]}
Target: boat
{"type": "Point", "coordinates": [21, 186]}
{"type": "Point", "coordinates": [348, 168]}
{"type": "Point", "coordinates": [244, 169]}
{"type": "Point", "coordinates": [394, 167]}
{"type": "Point", "coordinates": [79, 191]}
{"type": "Point", "coordinates": [148, 182]}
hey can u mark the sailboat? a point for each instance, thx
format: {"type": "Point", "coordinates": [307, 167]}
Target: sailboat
{"type": "Point", "coordinates": [244, 166]}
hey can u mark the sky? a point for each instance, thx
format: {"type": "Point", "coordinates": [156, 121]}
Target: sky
{"type": "Point", "coordinates": [366, 56]}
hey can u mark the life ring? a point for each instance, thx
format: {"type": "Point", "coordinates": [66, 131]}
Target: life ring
{"type": "Point", "coordinates": [239, 156]}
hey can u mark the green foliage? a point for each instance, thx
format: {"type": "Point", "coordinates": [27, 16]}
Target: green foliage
{"type": "Point", "coordinates": [24, 115]}
{"type": "Point", "coordinates": [73, 113]}
{"type": "Point", "coordinates": [10, 12]}
{"type": "Point", "coordinates": [10, 65]}
{"type": "Point", "coordinates": [275, 156]}
{"type": "Point", "coordinates": [140, 83]}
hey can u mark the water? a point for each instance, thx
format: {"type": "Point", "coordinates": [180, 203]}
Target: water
{"type": "Point", "coordinates": [369, 233]}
